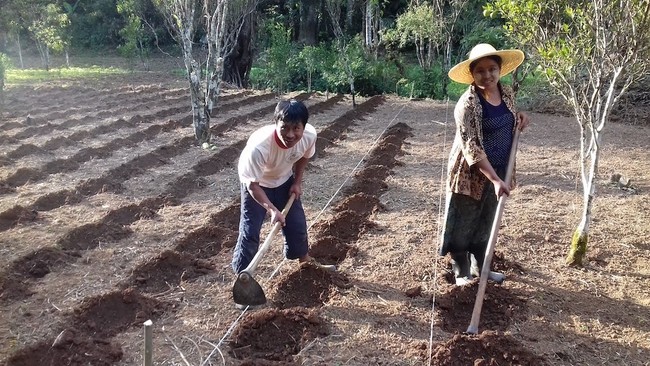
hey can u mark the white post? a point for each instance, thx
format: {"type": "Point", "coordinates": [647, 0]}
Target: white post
{"type": "Point", "coordinates": [148, 343]}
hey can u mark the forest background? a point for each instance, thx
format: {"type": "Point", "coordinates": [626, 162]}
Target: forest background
{"type": "Point", "coordinates": [399, 47]}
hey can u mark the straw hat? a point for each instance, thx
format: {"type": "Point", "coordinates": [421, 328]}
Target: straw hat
{"type": "Point", "coordinates": [510, 60]}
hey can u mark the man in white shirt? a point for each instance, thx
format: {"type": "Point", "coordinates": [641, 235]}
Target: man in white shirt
{"type": "Point", "coordinates": [270, 169]}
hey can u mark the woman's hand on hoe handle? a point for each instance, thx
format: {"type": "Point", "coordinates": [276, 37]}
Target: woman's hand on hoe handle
{"type": "Point", "coordinates": [522, 120]}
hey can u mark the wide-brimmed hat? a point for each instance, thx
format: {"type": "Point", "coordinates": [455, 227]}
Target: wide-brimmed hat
{"type": "Point", "coordinates": [510, 60]}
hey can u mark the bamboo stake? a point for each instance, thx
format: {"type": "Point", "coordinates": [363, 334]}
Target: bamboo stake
{"type": "Point", "coordinates": [148, 343]}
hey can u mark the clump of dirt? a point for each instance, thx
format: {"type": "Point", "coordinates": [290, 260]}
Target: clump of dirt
{"type": "Point", "coordinates": [380, 172]}
{"type": "Point", "coordinates": [167, 270]}
{"type": "Point", "coordinates": [16, 215]}
{"type": "Point", "coordinates": [24, 176]}
{"type": "Point", "coordinates": [71, 350]}
{"type": "Point", "coordinates": [361, 203]}
{"type": "Point", "coordinates": [228, 217]}
{"type": "Point", "coordinates": [370, 186]}
{"type": "Point", "coordinates": [501, 307]}
{"type": "Point", "coordinates": [89, 236]}
{"type": "Point", "coordinates": [53, 200]}
{"type": "Point", "coordinates": [346, 225]}
{"type": "Point", "coordinates": [109, 314]}
{"type": "Point", "coordinates": [331, 250]}
{"type": "Point", "coordinates": [24, 150]}
{"type": "Point", "coordinates": [486, 349]}
{"type": "Point", "coordinates": [4, 187]}
{"type": "Point", "coordinates": [307, 287]}
{"type": "Point", "coordinates": [276, 335]}
{"type": "Point", "coordinates": [15, 281]}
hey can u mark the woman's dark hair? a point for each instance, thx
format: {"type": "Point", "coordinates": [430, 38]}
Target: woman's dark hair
{"type": "Point", "coordinates": [496, 59]}
{"type": "Point", "coordinates": [291, 111]}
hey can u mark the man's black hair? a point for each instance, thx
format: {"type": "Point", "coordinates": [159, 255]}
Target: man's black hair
{"type": "Point", "coordinates": [291, 111]}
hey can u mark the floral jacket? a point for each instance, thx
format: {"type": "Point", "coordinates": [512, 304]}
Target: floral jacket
{"type": "Point", "coordinates": [463, 176]}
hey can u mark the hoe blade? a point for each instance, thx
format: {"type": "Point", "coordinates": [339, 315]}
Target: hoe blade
{"type": "Point", "coordinates": [246, 291]}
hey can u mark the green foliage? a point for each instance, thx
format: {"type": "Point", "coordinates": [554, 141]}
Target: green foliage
{"type": "Point", "coordinates": [133, 34]}
{"type": "Point", "coordinates": [417, 23]}
{"type": "Point", "coordinates": [278, 56]}
{"type": "Point", "coordinates": [351, 63]}
{"type": "Point", "coordinates": [419, 26]}
{"type": "Point", "coordinates": [95, 24]}
{"type": "Point", "coordinates": [483, 32]}
{"type": "Point", "coordinates": [380, 76]}
{"type": "Point", "coordinates": [421, 83]}
{"type": "Point", "coordinates": [49, 28]}
{"type": "Point", "coordinates": [311, 59]}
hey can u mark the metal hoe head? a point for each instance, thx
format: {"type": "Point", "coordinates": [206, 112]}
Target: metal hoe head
{"type": "Point", "coordinates": [246, 291]}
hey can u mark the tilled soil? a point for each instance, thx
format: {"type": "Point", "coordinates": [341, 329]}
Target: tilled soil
{"type": "Point", "coordinates": [111, 215]}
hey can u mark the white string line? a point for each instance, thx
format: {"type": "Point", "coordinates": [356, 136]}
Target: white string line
{"type": "Point", "coordinates": [438, 229]}
{"type": "Point", "coordinates": [347, 178]}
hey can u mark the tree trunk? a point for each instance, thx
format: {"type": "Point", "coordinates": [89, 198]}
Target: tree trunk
{"type": "Point", "coordinates": [20, 50]}
{"type": "Point", "coordinates": [200, 115]}
{"type": "Point", "coordinates": [238, 64]}
{"type": "Point", "coordinates": [580, 239]}
{"type": "Point", "coordinates": [308, 31]}
{"type": "Point", "coordinates": [368, 22]}
{"type": "Point", "coordinates": [578, 245]}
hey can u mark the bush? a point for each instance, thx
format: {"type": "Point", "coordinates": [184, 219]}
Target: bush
{"type": "Point", "coordinates": [420, 83]}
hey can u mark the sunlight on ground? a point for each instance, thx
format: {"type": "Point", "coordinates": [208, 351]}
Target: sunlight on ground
{"type": "Point", "coordinates": [26, 76]}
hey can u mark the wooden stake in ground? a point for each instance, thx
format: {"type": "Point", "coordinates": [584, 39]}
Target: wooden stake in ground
{"type": "Point", "coordinates": [489, 251]}
{"type": "Point", "coordinates": [148, 344]}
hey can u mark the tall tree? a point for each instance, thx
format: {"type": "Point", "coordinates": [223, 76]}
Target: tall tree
{"type": "Point", "coordinates": [221, 22]}
{"type": "Point", "coordinates": [419, 26]}
{"type": "Point", "coordinates": [48, 28]}
{"type": "Point", "coordinates": [591, 52]}
{"type": "Point", "coordinates": [309, 21]}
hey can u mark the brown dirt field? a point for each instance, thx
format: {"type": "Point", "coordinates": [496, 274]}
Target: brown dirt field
{"type": "Point", "coordinates": [110, 215]}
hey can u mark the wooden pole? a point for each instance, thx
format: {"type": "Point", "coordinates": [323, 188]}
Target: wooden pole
{"type": "Point", "coordinates": [489, 251]}
{"type": "Point", "coordinates": [148, 344]}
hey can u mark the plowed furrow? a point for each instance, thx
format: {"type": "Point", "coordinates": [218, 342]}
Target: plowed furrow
{"type": "Point", "coordinates": [114, 226]}
{"type": "Point", "coordinates": [112, 180]}
{"type": "Point", "coordinates": [18, 97]}
{"type": "Point", "coordinates": [89, 100]}
{"type": "Point", "coordinates": [134, 121]}
{"type": "Point", "coordinates": [178, 104]}
{"type": "Point", "coordinates": [334, 130]}
{"type": "Point", "coordinates": [32, 175]}
{"type": "Point", "coordinates": [145, 277]}
{"type": "Point", "coordinates": [42, 124]}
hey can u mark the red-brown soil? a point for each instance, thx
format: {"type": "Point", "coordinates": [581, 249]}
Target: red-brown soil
{"type": "Point", "coordinates": [110, 215]}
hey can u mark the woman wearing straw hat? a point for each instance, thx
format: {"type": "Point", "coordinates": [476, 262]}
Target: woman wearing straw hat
{"type": "Point", "coordinates": [486, 119]}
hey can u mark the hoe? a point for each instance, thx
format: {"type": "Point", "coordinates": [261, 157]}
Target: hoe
{"type": "Point", "coordinates": [246, 291]}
